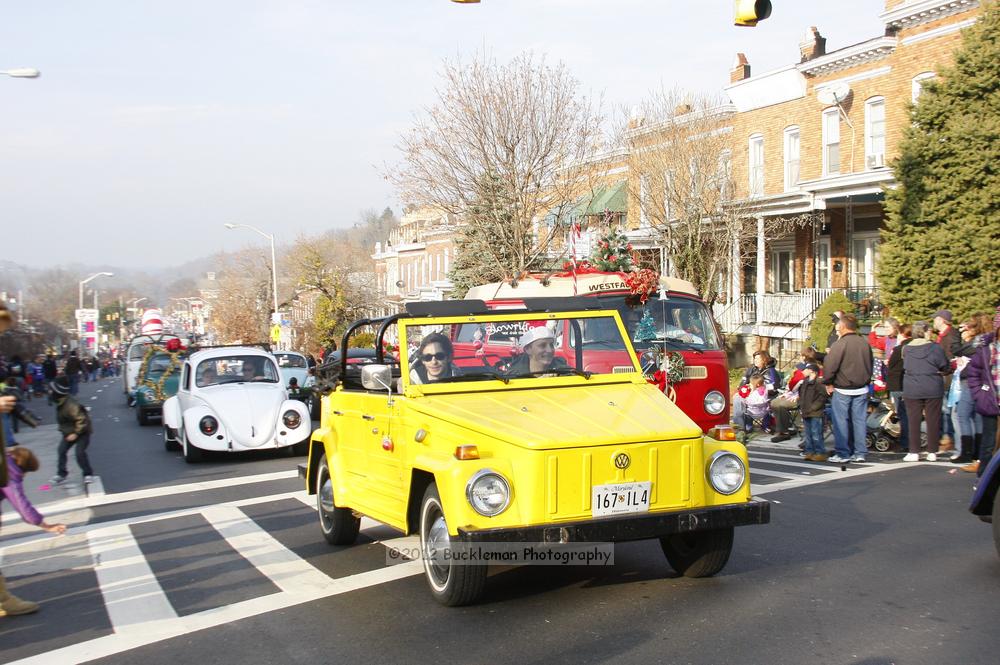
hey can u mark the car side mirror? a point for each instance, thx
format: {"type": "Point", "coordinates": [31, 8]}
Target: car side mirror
{"type": "Point", "coordinates": [376, 377]}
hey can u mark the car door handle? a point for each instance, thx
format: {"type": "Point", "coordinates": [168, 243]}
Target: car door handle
{"type": "Point", "coordinates": [367, 417]}
{"type": "Point", "coordinates": [338, 413]}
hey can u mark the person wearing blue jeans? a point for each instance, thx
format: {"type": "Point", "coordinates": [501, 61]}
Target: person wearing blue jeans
{"type": "Point", "coordinates": [847, 373]}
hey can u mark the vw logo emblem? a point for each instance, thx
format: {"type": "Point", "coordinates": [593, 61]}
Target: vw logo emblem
{"type": "Point", "coordinates": [622, 461]}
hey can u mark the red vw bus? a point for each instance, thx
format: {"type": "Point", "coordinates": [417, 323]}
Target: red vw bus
{"type": "Point", "coordinates": [675, 319]}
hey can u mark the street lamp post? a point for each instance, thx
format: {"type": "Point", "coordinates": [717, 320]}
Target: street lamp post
{"type": "Point", "coordinates": [82, 282]}
{"type": "Point", "coordinates": [21, 73]}
{"type": "Point", "coordinates": [274, 263]}
{"type": "Point", "coordinates": [94, 276]}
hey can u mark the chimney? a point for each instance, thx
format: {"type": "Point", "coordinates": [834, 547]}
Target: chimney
{"type": "Point", "coordinates": [740, 70]}
{"type": "Point", "coordinates": [813, 45]}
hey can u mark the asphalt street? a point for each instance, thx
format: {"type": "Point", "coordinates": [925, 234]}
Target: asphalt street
{"type": "Point", "coordinates": [223, 561]}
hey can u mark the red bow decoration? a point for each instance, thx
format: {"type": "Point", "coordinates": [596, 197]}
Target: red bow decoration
{"type": "Point", "coordinates": [173, 345]}
{"type": "Point", "coordinates": [659, 380]}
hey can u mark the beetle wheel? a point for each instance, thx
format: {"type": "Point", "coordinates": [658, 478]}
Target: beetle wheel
{"type": "Point", "coordinates": [339, 525]}
{"type": "Point", "coordinates": [450, 584]}
{"type": "Point", "coordinates": [698, 553]}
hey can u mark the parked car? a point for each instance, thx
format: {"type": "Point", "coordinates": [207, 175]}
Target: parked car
{"type": "Point", "coordinates": [986, 499]}
{"type": "Point", "coordinates": [232, 399]}
{"type": "Point", "coordinates": [324, 375]}
{"type": "Point", "coordinates": [157, 383]}
{"type": "Point", "coordinates": [529, 450]}
{"type": "Point", "coordinates": [292, 365]}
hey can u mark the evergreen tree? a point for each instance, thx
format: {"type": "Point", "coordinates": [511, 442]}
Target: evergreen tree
{"type": "Point", "coordinates": [613, 253]}
{"type": "Point", "coordinates": [941, 247]}
{"type": "Point", "coordinates": [822, 325]}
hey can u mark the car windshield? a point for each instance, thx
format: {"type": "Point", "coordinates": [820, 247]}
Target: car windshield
{"type": "Point", "coordinates": [676, 323]}
{"type": "Point", "coordinates": [158, 364]}
{"type": "Point", "coordinates": [137, 352]}
{"type": "Point", "coordinates": [235, 369]}
{"type": "Point", "coordinates": [290, 360]}
{"type": "Point", "coordinates": [515, 349]}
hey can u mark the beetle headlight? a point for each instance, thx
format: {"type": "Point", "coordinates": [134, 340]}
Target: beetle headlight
{"type": "Point", "coordinates": [291, 419]}
{"type": "Point", "coordinates": [715, 402]}
{"type": "Point", "coordinates": [726, 472]}
{"type": "Point", "coordinates": [208, 425]}
{"type": "Point", "coordinates": [488, 493]}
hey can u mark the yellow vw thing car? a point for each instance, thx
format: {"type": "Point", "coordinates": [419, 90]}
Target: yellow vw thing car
{"type": "Point", "coordinates": [466, 448]}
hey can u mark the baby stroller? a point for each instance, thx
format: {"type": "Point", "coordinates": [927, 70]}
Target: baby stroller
{"type": "Point", "coordinates": [882, 426]}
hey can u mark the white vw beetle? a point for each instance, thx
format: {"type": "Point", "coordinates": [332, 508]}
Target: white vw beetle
{"type": "Point", "coordinates": [231, 399]}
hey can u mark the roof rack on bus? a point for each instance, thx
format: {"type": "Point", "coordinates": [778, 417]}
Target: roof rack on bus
{"type": "Point", "coordinates": [478, 307]}
{"type": "Point", "coordinates": [261, 345]}
{"type": "Point", "coordinates": [561, 304]}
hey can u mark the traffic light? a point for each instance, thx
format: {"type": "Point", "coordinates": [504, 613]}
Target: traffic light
{"type": "Point", "coordinates": [748, 12]}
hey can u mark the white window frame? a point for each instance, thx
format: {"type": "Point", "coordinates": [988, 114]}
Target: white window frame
{"type": "Point", "coordinates": [824, 277]}
{"type": "Point", "coordinates": [866, 265]}
{"type": "Point", "coordinates": [755, 166]}
{"type": "Point", "coordinates": [778, 251]}
{"type": "Point", "coordinates": [828, 139]}
{"type": "Point", "coordinates": [793, 157]}
{"type": "Point", "coordinates": [874, 143]}
{"type": "Point", "coordinates": [917, 84]}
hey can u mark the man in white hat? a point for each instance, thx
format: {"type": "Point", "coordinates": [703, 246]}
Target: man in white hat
{"type": "Point", "coordinates": [539, 346]}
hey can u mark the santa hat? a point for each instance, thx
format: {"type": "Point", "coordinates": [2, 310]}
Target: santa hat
{"type": "Point", "coordinates": [535, 333]}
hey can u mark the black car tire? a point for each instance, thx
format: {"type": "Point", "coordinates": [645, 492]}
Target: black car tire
{"type": "Point", "coordinates": [698, 553]}
{"type": "Point", "coordinates": [340, 526]}
{"type": "Point", "coordinates": [170, 443]}
{"type": "Point", "coordinates": [192, 454]}
{"type": "Point", "coordinates": [313, 405]}
{"type": "Point", "coordinates": [451, 585]}
{"type": "Point", "coordinates": [141, 416]}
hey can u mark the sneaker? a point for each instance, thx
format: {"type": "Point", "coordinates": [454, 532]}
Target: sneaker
{"type": "Point", "coordinates": [57, 480]}
{"type": "Point", "coordinates": [837, 459]}
{"type": "Point", "coordinates": [860, 459]}
{"type": "Point", "coordinates": [803, 453]}
{"type": "Point", "coordinates": [89, 479]}
{"type": "Point", "coordinates": [779, 437]}
{"type": "Point", "coordinates": [931, 457]}
{"type": "Point", "coordinates": [820, 457]}
{"type": "Point", "coordinates": [971, 468]}
{"type": "Point", "coordinates": [911, 457]}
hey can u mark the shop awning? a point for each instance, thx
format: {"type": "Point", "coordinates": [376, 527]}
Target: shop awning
{"type": "Point", "coordinates": [612, 197]}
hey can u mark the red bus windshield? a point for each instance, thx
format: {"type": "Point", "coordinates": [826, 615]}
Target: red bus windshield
{"type": "Point", "coordinates": [676, 323]}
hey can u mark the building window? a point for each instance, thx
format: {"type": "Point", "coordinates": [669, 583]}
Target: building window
{"type": "Point", "coordinates": [831, 141]}
{"type": "Point", "coordinates": [756, 165]}
{"type": "Point", "coordinates": [864, 256]}
{"type": "Point", "coordinates": [791, 157]}
{"type": "Point", "coordinates": [782, 262]}
{"type": "Point", "coordinates": [823, 263]}
{"type": "Point", "coordinates": [875, 133]}
{"type": "Point", "coordinates": [917, 85]}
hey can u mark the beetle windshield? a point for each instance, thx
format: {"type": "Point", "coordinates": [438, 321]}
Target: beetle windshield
{"type": "Point", "coordinates": [158, 364]}
{"type": "Point", "coordinates": [290, 360]}
{"type": "Point", "coordinates": [235, 369]}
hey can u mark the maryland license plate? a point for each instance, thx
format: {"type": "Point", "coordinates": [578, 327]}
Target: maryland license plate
{"type": "Point", "coordinates": [620, 498]}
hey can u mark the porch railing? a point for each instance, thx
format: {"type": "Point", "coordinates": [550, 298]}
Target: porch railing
{"type": "Point", "coordinates": [794, 309]}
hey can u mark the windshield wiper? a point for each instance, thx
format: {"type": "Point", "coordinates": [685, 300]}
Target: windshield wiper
{"type": "Point", "coordinates": [475, 376]}
{"type": "Point", "coordinates": [556, 370]}
{"type": "Point", "coordinates": [676, 343]}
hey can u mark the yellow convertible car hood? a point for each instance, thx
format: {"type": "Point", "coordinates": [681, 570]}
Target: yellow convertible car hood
{"type": "Point", "coordinates": [565, 417]}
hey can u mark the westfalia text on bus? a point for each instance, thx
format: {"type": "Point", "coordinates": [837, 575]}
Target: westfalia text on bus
{"type": "Point", "coordinates": [671, 329]}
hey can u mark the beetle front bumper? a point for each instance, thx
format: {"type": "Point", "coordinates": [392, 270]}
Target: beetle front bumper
{"type": "Point", "coordinates": [629, 527]}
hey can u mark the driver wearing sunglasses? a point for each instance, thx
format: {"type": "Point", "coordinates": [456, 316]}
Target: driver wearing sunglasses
{"type": "Point", "coordinates": [434, 360]}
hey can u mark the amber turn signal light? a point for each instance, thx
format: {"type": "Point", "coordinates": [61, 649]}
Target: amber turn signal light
{"type": "Point", "coordinates": [466, 452]}
{"type": "Point", "coordinates": [722, 433]}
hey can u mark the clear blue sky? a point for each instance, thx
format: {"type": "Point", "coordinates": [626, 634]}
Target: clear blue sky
{"type": "Point", "coordinates": [155, 122]}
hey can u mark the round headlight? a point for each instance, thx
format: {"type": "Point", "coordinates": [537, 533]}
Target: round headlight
{"type": "Point", "coordinates": [726, 472]}
{"type": "Point", "coordinates": [208, 425]}
{"type": "Point", "coordinates": [488, 493]}
{"type": "Point", "coordinates": [291, 419]}
{"type": "Point", "coordinates": [715, 402]}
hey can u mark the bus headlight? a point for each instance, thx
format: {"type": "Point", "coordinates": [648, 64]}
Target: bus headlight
{"type": "Point", "coordinates": [726, 472]}
{"type": "Point", "coordinates": [715, 402]}
{"type": "Point", "coordinates": [488, 493]}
